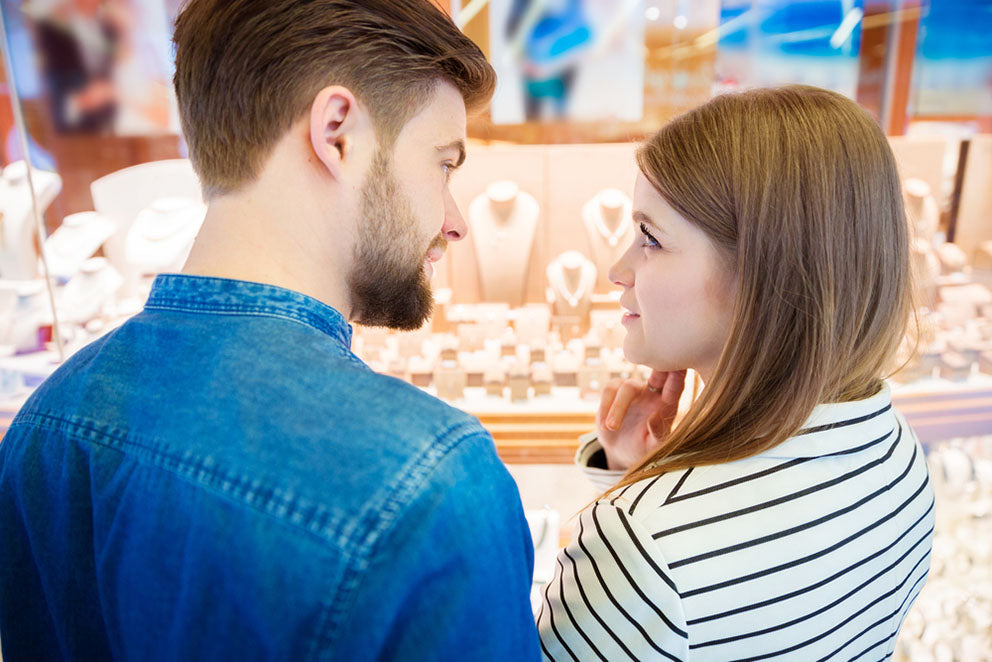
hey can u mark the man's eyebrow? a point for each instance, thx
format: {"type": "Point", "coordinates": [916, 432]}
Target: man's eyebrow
{"type": "Point", "coordinates": [455, 144]}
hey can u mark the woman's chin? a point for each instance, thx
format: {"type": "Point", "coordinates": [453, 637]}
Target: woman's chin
{"type": "Point", "coordinates": [636, 356]}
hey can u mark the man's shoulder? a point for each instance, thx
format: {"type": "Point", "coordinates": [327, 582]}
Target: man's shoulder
{"type": "Point", "coordinates": [325, 424]}
{"type": "Point", "coordinates": [397, 424]}
{"type": "Point", "coordinates": [306, 415]}
{"type": "Point", "coordinates": [400, 407]}
{"type": "Point", "coordinates": [55, 392]}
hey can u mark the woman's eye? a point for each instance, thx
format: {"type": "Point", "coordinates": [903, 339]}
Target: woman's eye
{"type": "Point", "coordinates": [449, 169]}
{"type": "Point", "coordinates": [648, 240]}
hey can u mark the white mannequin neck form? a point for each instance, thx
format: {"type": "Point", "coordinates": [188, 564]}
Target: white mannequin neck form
{"type": "Point", "coordinates": [503, 221]}
{"type": "Point", "coordinates": [610, 229]}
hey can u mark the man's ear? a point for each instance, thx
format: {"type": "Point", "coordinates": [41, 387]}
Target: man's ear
{"type": "Point", "coordinates": [334, 118]}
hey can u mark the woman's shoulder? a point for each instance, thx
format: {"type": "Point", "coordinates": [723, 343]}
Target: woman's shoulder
{"type": "Point", "coordinates": [845, 484]}
{"type": "Point", "coordinates": [841, 450]}
{"type": "Point", "coordinates": [686, 495]}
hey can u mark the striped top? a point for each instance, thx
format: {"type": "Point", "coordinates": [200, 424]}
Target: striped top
{"type": "Point", "coordinates": [812, 550]}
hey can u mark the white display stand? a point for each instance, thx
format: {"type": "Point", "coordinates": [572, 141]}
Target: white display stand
{"type": "Point", "coordinates": [571, 281]}
{"type": "Point", "coordinates": [122, 195]}
{"type": "Point", "coordinates": [162, 235]}
{"type": "Point", "coordinates": [502, 224]}
{"type": "Point", "coordinates": [607, 219]}
{"type": "Point", "coordinates": [24, 308]}
{"type": "Point", "coordinates": [18, 253]}
{"type": "Point", "coordinates": [89, 291]}
{"type": "Point", "coordinates": [77, 239]}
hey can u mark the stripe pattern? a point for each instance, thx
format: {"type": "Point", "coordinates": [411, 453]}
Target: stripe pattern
{"type": "Point", "coordinates": [813, 550]}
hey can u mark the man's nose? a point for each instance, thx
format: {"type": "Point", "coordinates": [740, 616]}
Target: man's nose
{"type": "Point", "coordinates": [454, 227]}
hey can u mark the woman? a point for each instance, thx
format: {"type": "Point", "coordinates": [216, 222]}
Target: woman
{"type": "Point", "coordinates": [788, 515]}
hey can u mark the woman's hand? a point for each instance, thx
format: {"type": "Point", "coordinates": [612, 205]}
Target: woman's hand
{"type": "Point", "coordinates": [634, 418]}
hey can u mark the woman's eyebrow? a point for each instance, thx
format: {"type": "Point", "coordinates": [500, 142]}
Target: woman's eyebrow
{"type": "Point", "coordinates": [641, 217]}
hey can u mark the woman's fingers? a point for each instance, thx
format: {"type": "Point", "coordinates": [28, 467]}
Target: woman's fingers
{"type": "Point", "coordinates": [663, 391]}
{"type": "Point", "coordinates": [606, 399]}
{"type": "Point", "coordinates": [672, 390]}
{"type": "Point", "coordinates": [656, 382]}
{"type": "Point", "coordinates": [627, 393]}
{"type": "Point", "coordinates": [660, 423]}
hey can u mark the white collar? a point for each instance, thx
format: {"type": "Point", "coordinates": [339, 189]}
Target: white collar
{"type": "Point", "coordinates": [840, 427]}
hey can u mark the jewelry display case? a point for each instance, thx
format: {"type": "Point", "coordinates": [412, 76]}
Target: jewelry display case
{"type": "Point", "coordinates": [526, 330]}
{"type": "Point", "coordinates": [952, 617]}
{"type": "Point", "coordinates": [526, 327]}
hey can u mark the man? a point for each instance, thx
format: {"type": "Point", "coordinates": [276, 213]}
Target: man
{"type": "Point", "coordinates": [221, 478]}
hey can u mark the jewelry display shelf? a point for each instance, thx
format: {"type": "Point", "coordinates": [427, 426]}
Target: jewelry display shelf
{"type": "Point", "coordinates": [938, 409]}
{"type": "Point", "coordinates": [534, 433]}
{"type": "Point", "coordinates": [546, 430]}
{"type": "Point", "coordinates": [537, 438]}
{"type": "Point", "coordinates": [541, 430]}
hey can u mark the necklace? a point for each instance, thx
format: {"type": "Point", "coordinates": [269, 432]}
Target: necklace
{"type": "Point", "coordinates": [559, 282]}
{"type": "Point", "coordinates": [615, 201]}
{"type": "Point", "coordinates": [612, 238]}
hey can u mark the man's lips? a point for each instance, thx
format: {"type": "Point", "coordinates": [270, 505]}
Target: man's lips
{"type": "Point", "coordinates": [433, 255]}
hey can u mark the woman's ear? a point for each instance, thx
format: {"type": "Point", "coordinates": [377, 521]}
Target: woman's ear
{"type": "Point", "coordinates": [333, 121]}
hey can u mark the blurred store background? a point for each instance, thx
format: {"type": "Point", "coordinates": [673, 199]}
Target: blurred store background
{"type": "Point", "coordinates": [86, 98]}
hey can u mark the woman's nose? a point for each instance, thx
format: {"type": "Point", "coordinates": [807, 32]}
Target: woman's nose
{"type": "Point", "coordinates": [621, 274]}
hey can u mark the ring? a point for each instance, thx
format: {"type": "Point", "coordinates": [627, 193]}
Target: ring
{"type": "Point", "coordinates": [653, 389]}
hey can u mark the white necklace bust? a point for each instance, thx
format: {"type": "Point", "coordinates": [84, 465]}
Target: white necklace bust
{"type": "Point", "coordinates": [503, 222]}
{"type": "Point", "coordinates": [162, 234]}
{"type": "Point", "coordinates": [90, 290]}
{"type": "Point", "coordinates": [607, 219]}
{"type": "Point", "coordinates": [78, 238]}
{"type": "Point", "coordinates": [18, 256]}
{"type": "Point", "coordinates": [572, 279]}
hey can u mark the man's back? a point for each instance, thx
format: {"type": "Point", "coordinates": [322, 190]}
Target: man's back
{"type": "Point", "coordinates": [222, 478]}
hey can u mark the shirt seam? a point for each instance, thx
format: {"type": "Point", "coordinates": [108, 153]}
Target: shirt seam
{"type": "Point", "coordinates": [191, 469]}
{"type": "Point", "coordinates": [306, 319]}
{"type": "Point", "coordinates": [382, 515]}
{"type": "Point", "coordinates": [180, 290]}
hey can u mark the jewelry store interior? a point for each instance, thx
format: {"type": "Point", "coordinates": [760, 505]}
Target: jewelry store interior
{"type": "Point", "coordinates": [526, 328]}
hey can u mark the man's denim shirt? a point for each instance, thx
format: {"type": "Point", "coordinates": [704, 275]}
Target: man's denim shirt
{"type": "Point", "coordinates": [221, 478]}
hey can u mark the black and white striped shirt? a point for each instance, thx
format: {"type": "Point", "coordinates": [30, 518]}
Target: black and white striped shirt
{"type": "Point", "coordinates": [813, 550]}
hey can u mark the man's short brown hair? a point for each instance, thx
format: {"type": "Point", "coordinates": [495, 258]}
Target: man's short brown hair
{"type": "Point", "coordinates": [246, 70]}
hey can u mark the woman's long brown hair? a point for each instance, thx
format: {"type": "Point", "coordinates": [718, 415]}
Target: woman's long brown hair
{"type": "Point", "coordinates": [798, 189]}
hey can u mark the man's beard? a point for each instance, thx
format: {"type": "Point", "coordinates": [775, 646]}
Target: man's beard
{"type": "Point", "coordinates": [388, 284]}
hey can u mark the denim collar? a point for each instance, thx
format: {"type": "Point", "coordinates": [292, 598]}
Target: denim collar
{"type": "Point", "coordinates": [202, 294]}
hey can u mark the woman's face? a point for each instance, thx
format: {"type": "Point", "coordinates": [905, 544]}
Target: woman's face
{"type": "Point", "coordinates": [678, 294]}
